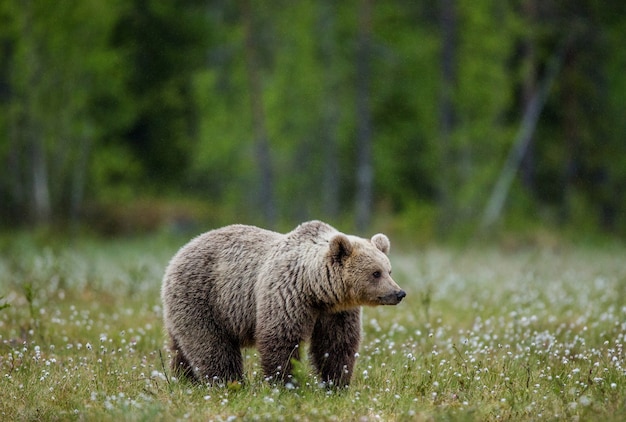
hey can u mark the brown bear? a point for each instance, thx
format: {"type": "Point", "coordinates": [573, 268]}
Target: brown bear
{"type": "Point", "coordinates": [240, 286]}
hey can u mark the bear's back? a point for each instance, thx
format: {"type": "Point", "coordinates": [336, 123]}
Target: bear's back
{"type": "Point", "coordinates": [215, 272]}
{"type": "Point", "coordinates": [226, 247]}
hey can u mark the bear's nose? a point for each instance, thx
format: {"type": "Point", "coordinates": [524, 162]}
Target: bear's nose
{"type": "Point", "coordinates": [400, 295]}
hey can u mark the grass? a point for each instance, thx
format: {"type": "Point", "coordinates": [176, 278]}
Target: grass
{"type": "Point", "coordinates": [483, 334]}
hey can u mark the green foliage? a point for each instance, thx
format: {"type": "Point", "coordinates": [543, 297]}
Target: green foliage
{"type": "Point", "coordinates": [416, 223]}
{"type": "Point", "coordinates": [3, 305]}
{"type": "Point", "coordinates": [483, 135]}
{"type": "Point", "coordinates": [405, 119]}
{"type": "Point", "coordinates": [116, 173]}
{"type": "Point", "coordinates": [163, 43]}
{"type": "Point", "coordinates": [100, 101]}
{"type": "Point", "coordinates": [55, 87]}
{"type": "Point", "coordinates": [29, 294]}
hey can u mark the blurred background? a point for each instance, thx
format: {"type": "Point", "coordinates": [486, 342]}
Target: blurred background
{"type": "Point", "coordinates": [426, 118]}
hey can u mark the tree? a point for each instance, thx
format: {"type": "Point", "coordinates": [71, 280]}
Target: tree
{"type": "Point", "coordinates": [52, 84]}
{"type": "Point", "coordinates": [330, 110]}
{"type": "Point", "coordinates": [164, 44]}
{"type": "Point", "coordinates": [523, 141]}
{"type": "Point", "coordinates": [261, 140]}
{"type": "Point", "coordinates": [529, 68]}
{"type": "Point", "coordinates": [447, 113]}
{"type": "Point", "coordinates": [364, 171]}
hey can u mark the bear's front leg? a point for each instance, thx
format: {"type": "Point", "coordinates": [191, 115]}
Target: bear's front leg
{"type": "Point", "coordinates": [278, 337]}
{"type": "Point", "coordinates": [334, 345]}
{"type": "Point", "coordinates": [276, 354]}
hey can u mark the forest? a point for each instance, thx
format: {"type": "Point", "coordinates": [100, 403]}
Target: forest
{"type": "Point", "coordinates": [441, 117]}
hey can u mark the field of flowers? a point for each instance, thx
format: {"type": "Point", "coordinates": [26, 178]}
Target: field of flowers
{"type": "Point", "coordinates": [484, 334]}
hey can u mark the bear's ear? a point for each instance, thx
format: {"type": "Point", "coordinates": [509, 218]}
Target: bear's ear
{"type": "Point", "coordinates": [381, 242]}
{"type": "Point", "coordinates": [340, 247]}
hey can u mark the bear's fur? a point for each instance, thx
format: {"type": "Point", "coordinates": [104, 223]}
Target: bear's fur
{"type": "Point", "coordinates": [240, 286]}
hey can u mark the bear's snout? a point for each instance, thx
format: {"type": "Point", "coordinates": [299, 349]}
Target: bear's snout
{"type": "Point", "coordinates": [401, 295]}
{"type": "Point", "coordinates": [392, 298]}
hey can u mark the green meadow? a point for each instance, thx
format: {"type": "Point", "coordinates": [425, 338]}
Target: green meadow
{"type": "Point", "coordinates": [485, 333]}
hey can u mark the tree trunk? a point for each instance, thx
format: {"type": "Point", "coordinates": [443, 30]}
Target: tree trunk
{"type": "Point", "coordinates": [15, 208]}
{"type": "Point", "coordinates": [40, 198]}
{"type": "Point", "coordinates": [79, 176]}
{"type": "Point", "coordinates": [527, 127]}
{"type": "Point", "coordinates": [365, 172]}
{"type": "Point", "coordinates": [447, 118]}
{"type": "Point", "coordinates": [529, 87]}
{"type": "Point", "coordinates": [40, 190]}
{"type": "Point", "coordinates": [571, 129]}
{"type": "Point", "coordinates": [330, 114]}
{"type": "Point", "coordinates": [261, 141]}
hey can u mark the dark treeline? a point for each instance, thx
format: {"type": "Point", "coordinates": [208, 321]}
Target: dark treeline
{"type": "Point", "coordinates": [443, 114]}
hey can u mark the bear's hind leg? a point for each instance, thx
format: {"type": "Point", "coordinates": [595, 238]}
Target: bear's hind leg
{"type": "Point", "coordinates": [215, 359]}
{"type": "Point", "coordinates": [179, 364]}
{"type": "Point", "coordinates": [334, 343]}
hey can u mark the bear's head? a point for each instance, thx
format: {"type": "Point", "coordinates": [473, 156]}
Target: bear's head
{"type": "Point", "coordinates": [365, 270]}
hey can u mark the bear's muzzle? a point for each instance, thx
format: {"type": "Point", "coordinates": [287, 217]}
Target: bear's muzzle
{"type": "Point", "coordinates": [392, 298]}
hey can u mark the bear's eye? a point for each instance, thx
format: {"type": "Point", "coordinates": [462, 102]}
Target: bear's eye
{"type": "Point", "coordinates": [376, 274]}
